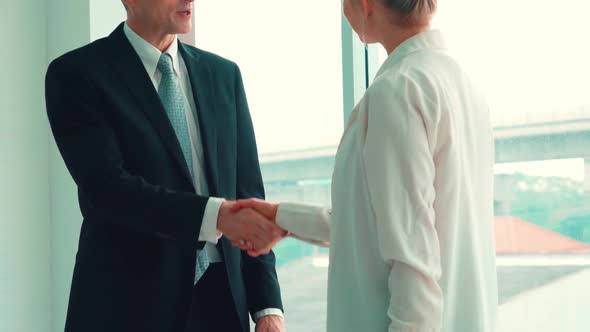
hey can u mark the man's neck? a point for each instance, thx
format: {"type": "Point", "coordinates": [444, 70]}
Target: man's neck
{"type": "Point", "coordinates": [158, 39]}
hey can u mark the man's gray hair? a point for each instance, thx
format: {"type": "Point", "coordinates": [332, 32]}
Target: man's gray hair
{"type": "Point", "coordinates": [412, 9]}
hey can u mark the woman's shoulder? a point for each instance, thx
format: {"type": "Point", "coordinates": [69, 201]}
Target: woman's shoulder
{"type": "Point", "coordinates": [399, 91]}
{"type": "Point", "coordinates": [397, 84]}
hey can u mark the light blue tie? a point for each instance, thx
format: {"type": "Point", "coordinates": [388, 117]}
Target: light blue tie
{"type": "Point", "coordinates": [174, 104]}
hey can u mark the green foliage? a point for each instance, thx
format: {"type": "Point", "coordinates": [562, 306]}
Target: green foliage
{"type": "Point", "coordinates": [557, 204]}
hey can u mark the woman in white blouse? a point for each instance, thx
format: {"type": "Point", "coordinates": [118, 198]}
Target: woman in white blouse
{"type": "Point", "coordinates": [411, 226]}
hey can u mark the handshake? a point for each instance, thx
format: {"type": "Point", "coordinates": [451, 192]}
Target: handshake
{"type": "Point", "coordinates": [251, 225]}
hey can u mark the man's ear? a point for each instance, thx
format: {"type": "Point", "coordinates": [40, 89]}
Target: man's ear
{"type": "Point", "coordinates": [367, 6]}
{"type": "Point", "coordinates": [128, 3]}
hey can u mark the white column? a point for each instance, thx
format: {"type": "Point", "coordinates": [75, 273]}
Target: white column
{"type": "Point", "coordinates": [68, 28]}
{"type": "Point", "coordinates": [105, 16]}
{"type": "Point", "coordinates": [71, 24]}
{"type": "Point", "coordinates": [25, 275]}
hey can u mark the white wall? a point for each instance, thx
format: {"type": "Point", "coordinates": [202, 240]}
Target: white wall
{"type": "Point", "coordinates": [67, 29]}
{"type": "Point", "coordinates": [105, 16]}
{"type": "Point", "coordinates": [39, 214]}
{"type": "Point", "coordinates": [71, 24]}
{"type": "Point", "coordinates": [25, 275]}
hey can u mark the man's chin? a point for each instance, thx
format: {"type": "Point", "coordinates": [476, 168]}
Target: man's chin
{"type": "Point", "coordinates": [184, 27]}
{"type": "Point", "coordinates": [183, 31]}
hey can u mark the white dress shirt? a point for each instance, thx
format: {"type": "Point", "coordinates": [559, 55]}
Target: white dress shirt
{"type": "Point", "coordinates": [150, 56]}
{"type": "Point", "coordinates": [411, 230]}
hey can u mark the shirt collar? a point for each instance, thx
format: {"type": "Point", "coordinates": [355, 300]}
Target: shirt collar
{"type": "Point", "coordinates": [431, 39]}
{"type": "Point", "coordinates": [149, 54]}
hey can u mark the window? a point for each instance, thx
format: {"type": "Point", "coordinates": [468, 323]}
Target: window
{"type": "Point", "coordinates": [531, 59]}
{"type": "Point", "coordinates": [290, 57]}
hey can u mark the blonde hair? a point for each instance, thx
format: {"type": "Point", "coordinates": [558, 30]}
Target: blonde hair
{"type": "Point", "coordinates": [412, 10]}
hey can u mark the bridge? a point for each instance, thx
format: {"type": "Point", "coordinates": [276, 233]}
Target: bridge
{"type": "Point", "coordinates": [545, 136]}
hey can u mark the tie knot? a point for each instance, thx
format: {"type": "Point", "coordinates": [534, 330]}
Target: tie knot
{"type": "Point", "coordinates": [165, 64]}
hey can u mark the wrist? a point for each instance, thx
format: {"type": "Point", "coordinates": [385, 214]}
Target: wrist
{"type": "Point", "coordinates": [270, 317]}
{"type": "Point", "coordinates": [224, 211]}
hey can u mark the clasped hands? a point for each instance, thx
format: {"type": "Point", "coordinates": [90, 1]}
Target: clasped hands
{"type": "Point", "coordinates": [251, 225]}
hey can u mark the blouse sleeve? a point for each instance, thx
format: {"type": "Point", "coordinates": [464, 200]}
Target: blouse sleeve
{"type": "Point", "coordinates": [400, 171]}
{"type": "Point", "coordinates": [306, 222]}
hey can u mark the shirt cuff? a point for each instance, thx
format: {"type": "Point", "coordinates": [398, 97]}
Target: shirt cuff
{"type": "Point", "coordinates": [267, 312]}
{"type": "Point", "coordinates": [209, 232]}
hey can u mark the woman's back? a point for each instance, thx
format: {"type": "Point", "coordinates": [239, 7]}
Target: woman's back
{"type": "Point", "coordinates": [461, 140]}
{"type": "Point", "coordinates": [412, 200]}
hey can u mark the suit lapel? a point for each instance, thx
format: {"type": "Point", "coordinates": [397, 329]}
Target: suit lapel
{"type": "Point", "coordinates": [199, 74]}
{"type": "Point", "coordinates": [130, 69]}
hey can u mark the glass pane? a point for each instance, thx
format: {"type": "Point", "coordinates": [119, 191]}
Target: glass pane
{"type": "Point", "coordinates": [292, 71]}
{"type": "Point", "coordinates": [531, 59]}
{"type": "Point", "coordinates": [290, 55]}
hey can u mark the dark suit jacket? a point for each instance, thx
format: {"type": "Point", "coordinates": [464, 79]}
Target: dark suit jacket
{"type": "Point", "coordinates": [136, 256]}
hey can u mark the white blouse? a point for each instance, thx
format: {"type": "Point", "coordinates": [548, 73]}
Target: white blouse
{"type": "Point", "coordinates": [411, 227]}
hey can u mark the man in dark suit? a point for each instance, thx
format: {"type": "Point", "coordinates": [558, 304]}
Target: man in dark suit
{"type": "Point", "coordinates": [155, 133]}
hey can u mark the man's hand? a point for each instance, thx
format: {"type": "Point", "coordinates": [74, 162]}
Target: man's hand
{"type": "Point", "coordinates": [265, 208]}
{"type": "Point", "coordinates": [271, 323]}
{"type": "Point", "coordinates": [248, 226]}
